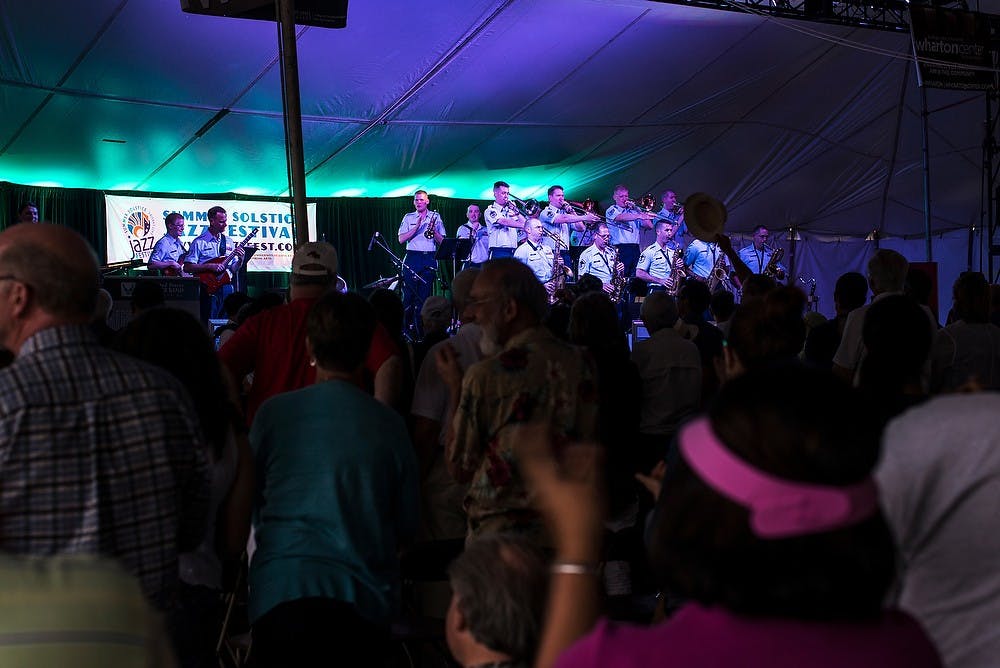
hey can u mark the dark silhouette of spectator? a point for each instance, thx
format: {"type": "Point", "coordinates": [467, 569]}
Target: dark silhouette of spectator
{"type": "Point", "coordinates": [967, 351]}
{"type": "Point", "coordinates": [897, 338]}
{"type": "Point", "coordinates": [823, 339]}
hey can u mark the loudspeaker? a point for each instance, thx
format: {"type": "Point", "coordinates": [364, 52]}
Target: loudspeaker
{"type": "Point", "coordinates": [182, 293]}
{"type": "Point", "coordinates": [319, 13]}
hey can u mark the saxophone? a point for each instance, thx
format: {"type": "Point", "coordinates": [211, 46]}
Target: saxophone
{"type": "Point", "coordinates": [617, 277]}
{"type": "Point", "coordinates": [719, 274]}
{"type": "Point", "coordinates": [555, 285]}
{"type": "Point", "coordinates": [678, 272]}
{"type": "Point", "coordinates": [772, 268]}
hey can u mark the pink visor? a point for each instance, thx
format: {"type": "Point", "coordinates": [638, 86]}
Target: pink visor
{"type": "Point", "coordinates": [778, 508]}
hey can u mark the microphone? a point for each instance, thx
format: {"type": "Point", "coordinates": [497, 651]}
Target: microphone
{"type": "Point", "coordinates": [372, 242]}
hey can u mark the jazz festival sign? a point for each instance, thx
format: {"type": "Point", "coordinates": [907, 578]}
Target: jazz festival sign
{"type": "Point", "coordinates": [135, 223]}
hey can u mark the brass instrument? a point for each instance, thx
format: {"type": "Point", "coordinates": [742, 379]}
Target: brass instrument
{"type": "Point", "coordinates": [772, 269]}
{"type": "Point", "coordinates": [647, 203]}
{"type": "Point", "coordinates": [558, 281]}
{"type": "Point", "coordinates": [678, 272]}
{"type": "Point", "coordinates": [556, 237]}
{"type": "Point", "coordinates": [529, 208]}
{"type": "Point", "coordinates": [720, 275]}
{"type": "Point", "coordinates": [617, 277]}
{"type": "Point", "coordinates": [578, 209]}
{"type": "Point", "coordinates": [429, 232]}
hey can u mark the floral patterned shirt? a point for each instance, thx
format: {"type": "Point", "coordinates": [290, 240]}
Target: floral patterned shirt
{"type": "Point", "coordinates": [535, 377]}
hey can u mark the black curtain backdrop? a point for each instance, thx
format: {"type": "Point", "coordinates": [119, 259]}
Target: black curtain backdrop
{"type": "Point", "coordinates": [347, 223]}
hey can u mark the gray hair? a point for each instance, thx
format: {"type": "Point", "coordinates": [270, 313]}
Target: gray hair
{"type": "Point", "coordinates": [887, 271]}
{"type": "Point", "coordinates": [501, 582]}
{"type": "Point", "coordinates": [517, 282]}
{"type": "Point", "coordinates": [659, 311]}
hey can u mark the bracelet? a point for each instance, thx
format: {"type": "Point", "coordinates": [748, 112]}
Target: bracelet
{"type": "Point", "coordinates": [573, 568]}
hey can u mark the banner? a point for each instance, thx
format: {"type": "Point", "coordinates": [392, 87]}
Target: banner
{"type": "Point", "coordinates": [134, 224]}
{"type": "Point", "coordinates": [952, 48]}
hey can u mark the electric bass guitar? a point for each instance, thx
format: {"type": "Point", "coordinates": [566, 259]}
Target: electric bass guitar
{"type": "Point", "coordinates": [212, 281]}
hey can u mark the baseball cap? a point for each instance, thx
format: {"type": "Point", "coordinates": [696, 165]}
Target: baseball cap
{"type": "Point", "coordinates": [315, 258]}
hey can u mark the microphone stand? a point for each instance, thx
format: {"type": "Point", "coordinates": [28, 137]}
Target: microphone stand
{"type": "Point", "coordinates": [398, 262]}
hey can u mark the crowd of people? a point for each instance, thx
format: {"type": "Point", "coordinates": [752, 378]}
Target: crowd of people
{"type": "Point", "coordinates": [738, 488]}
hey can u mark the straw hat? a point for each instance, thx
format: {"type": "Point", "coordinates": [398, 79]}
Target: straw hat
{"type": "Point", "coordinates": [704, 215]}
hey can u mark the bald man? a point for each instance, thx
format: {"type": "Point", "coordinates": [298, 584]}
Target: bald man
{"type": "Point", "coordinates": [99, 453]}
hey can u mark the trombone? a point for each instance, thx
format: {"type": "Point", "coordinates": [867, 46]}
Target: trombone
{"type": "Point", "coordinates": [555, 237]}
{"type": "Point", "coordinates": [581, 209]}
{"type": "Point", "coordinates": [528, 208]}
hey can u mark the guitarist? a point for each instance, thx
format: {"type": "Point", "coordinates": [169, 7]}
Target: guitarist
{"type": "Point", "coordinates": [168, 251]}
{"type": "Point", "coordinates": [205, 256]}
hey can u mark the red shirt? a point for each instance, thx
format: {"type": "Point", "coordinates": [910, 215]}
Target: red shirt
{"type": "Point", "coordinates": [272, 345]}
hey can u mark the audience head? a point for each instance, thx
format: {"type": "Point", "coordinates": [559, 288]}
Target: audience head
{"type": "Point", "coordinates": [693, 299]}
{"type": "Point", "coordinates": [499, 584]}
{"type": "Point", "coordinates": [314, 268]}
{"type": "Point", "coordinates": [638, 288]}
{"type": "Point", "coordinates": [593, 322]}
{"type": "Point", "coordinates": [146, 295]}
{"type": "Point", "coordinates": [659, 311]}
{"type": "Point", "coordinates": [508, 299]}
{"type": "Point", "coordinates": [887, 271]}
{"type": "Point", "coordinates": [758, 285]}
{"type": "Point", "coordinates": [971, 295]}
{"type": "Point", "coordinates": [722, 305]}
{"type": "Point", "coordinates": [102, 306]}
{"type": "Point", "coordinates": [48, 277]}
{"type": "Point", "coordinates": [850, 292]}
{"type": "Point", "coordinates": [435, 314]}
{"type": "Point", "coordinates": [589, 283]}
{"type": "Point", "coordinates": [897, 338]}
{"type": "Point", "coordinates": [710, 547]}
{"type": "Point", "coordinates": [174, 340]}
{"type": "Point", "coordinates": [234, 302]}
{"type": "Point", "coordinates": [339, 331]}
{"type": "Point", "coordinates": [262, 303]}
{"type": "Point", "coordinates": [388, 310]}
{"type": "Point", "coordinates": [766, 331]}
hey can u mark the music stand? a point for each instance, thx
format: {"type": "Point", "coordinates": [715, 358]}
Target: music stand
{"type": "Point", "coordinates": [452, 248]}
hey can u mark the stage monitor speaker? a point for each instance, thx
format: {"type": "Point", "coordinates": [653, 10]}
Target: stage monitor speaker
{"type": "Point", "coordinates": [319, 13]}
{"type": "Point", "coordinates": [182, 293]}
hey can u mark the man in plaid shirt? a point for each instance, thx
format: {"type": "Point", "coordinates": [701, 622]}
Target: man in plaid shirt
{"type": "Point", "coordinates": [99, 453]}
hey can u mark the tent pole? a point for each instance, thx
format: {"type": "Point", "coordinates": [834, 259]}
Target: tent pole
{"type": "Point", "coordinates": [927, 172]}
{"type": "Point", "coordinates": [293, 119]}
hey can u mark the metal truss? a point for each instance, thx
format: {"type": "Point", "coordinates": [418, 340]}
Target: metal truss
{"type": "Point", "coordinates": [891, 15]}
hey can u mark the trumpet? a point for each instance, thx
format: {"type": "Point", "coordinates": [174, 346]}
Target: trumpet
{"type": "Point", "coordinates": [429, 232]}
